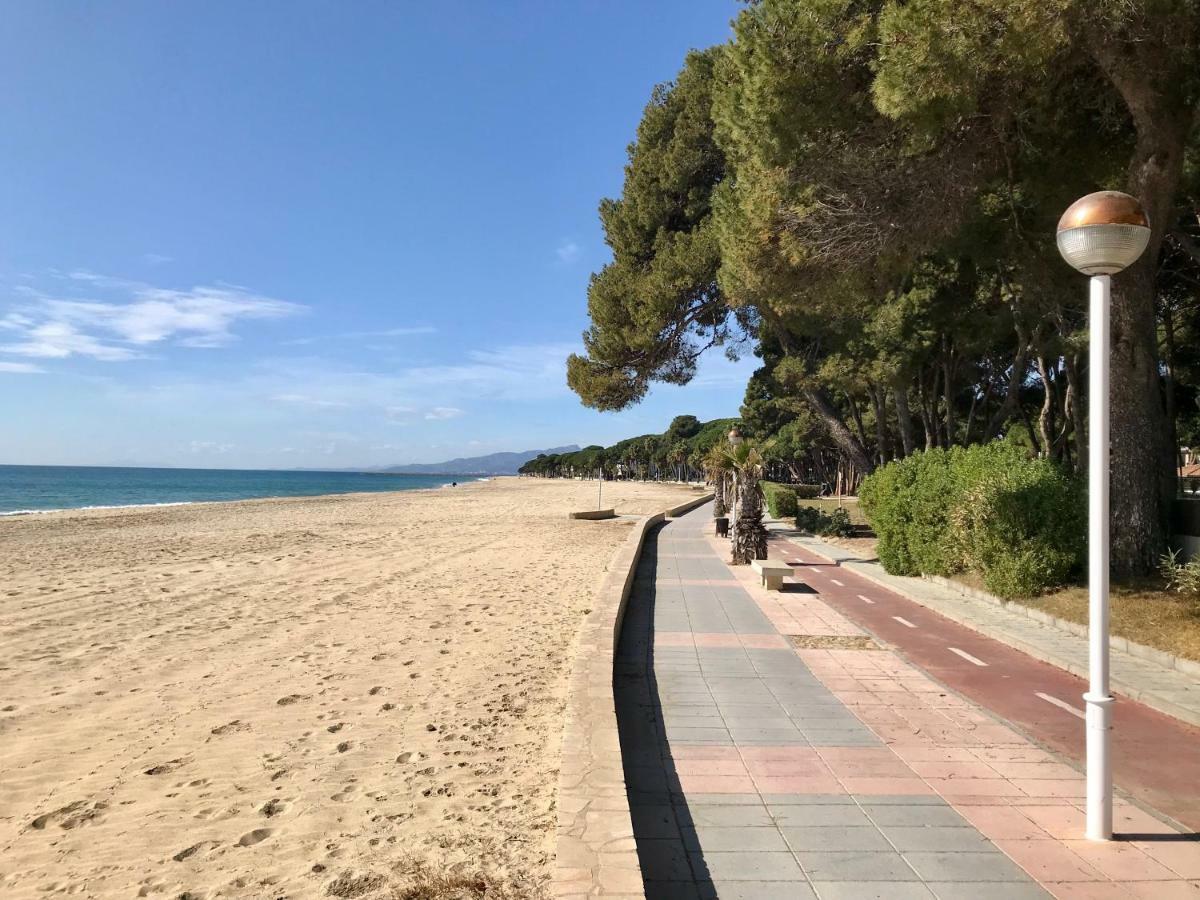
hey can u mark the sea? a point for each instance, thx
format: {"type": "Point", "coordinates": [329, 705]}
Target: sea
{"type": "Point", "coordinates": [34, 489]}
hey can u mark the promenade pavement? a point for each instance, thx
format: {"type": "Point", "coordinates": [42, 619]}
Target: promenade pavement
{"type": "Point", "coordinates": [773, 749]}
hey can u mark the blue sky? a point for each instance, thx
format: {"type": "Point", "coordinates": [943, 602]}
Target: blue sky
{"type": "Point", "coordinates": [307, 234]}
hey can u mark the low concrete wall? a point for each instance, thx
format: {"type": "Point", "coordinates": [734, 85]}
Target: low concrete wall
{"type": "Point", "coordinates": [593, 514]}
{"type": "Point", "coordinates": [596, 854]}
{"type": "Point", "coordinates": [688, 507]}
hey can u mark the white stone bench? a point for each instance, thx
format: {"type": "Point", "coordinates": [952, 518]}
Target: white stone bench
{"type": "Point", "coordinates": [772, 572]}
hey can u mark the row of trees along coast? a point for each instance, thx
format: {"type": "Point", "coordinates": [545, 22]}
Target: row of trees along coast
{"type": "Point", "coordinates": [864, 196]}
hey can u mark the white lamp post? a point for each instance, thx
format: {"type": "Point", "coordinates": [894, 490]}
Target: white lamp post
{"type": "Point", "coordinates": [1100, 235]}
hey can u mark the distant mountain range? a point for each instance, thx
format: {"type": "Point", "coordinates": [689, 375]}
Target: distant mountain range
{"type": "Point", "coordinates": [492, 464]}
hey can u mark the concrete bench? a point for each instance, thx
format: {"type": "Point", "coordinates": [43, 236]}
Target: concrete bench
{"type": "Point", "coordinates": [772, 572]}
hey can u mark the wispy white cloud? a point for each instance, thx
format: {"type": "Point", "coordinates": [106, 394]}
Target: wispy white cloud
{"type": "Point", "coordinates": [156, 259]}
{"type": "Point", "coordinates": [444, 412]}
{"type": "Point", "coordinates": [19, 368]}
{"type": "Point", "coordinates": [305, 400]}
{"type": "Point", "coordinates": [403, 331]}
{"type": "Point", "coordinates": [204, 316]}
{"type": "Point", "coordinates": [207, 447]}
{"type": "Point", "coordinates": [567, 252]}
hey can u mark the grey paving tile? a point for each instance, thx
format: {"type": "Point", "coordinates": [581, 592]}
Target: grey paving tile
{"type": "Point", "coordinates": [836, 838]}
{"type": "Point", "coordinates": [779, 867]}
{"type": "Point", "coordinates": [694, 800]}
{"type": "Point", "coordinates": [956, 890]}
{"type": "Point", "coordinates": [656, 822]}
{"type": "Point", "coordinates": [899, 800]}
{"type": "Point", "coordinates": [664, 860]}
{"type": "Point", "coordinates": [936, 837]}
{"type": "Point", "coordinates": [933, 815]}
{"type": "Point", "coordinates": [716, 838]}
{"type": "Point", "coordinates": [777, 802]}
{"type": "Point", "coordinates": [762, 890]}
{"type": "Point", "coordinates": [726, 816]}
{"type": "Point", "coordinates": [813, 815]}
{"type": "Point", "coordinates": [965, 867]}
{"type": "Point", "coordinates": [876, 890]}
{"type": "Point", "coordinates": [855, 866]}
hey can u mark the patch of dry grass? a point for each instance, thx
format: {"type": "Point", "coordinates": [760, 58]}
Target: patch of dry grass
{"type": "Point", "coordinates": [829, 504]}
{"type": "Point", "coordinates": [1142, 611]}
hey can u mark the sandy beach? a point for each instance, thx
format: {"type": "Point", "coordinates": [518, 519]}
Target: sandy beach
{"type": "Point", "coordinates": [292, 698]}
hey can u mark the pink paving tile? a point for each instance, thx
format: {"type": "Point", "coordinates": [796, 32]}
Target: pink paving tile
{"type": "Point", "coordinates": [869, 785]}
{"type": "Point", "coordinates": [956, 769]}
{"type": "Point", "coordinates": [764, 641]}
{"type": "Point", "coordinates": [921, 753]}
{"type": "Point", "coordinates": [1089, 890]}
{"type": "Point", "coordinates": [1001, 822]}
{"type": "Point", "coordinates": [1061, 822]}
{"type": "Point", "coordinates": [707, 639]}
{"type": "Point", "coordinates": [809, 768]}
{"type": "Point", "coordinates": [1013, 754]}
{"type": "Point", "coordinates": [797, 784]}
{"type": "Point", "coordinates": [870, 768]}
{"type": "Point", "coordinates": [1181, 857]}
{"type": "Point", "coordinates": [1119, 861]}
{"type": "Point", "coordinates": [1048, 769]}
{"type": "Point", "coordinates": [1052, 787]}
{"type": "Point", "coordinates": [1128, 819]}
{"type": "Point", "coordinates": [703, 751]}
{"type": "Point", "coordinates": [710, 767]}
{"type": "Point", "coordinates": [1049, 861]}
{"type": "Point", "coordinates": [782, 752]}
{"type": "Point", "coordinates": [1164, 890]}
{"type": "Point", "coordinates": [673, 639]}
{"type": "Point", "coordinates": [716, 784]}
{"type": "Point", "coordinates": [978, 787]}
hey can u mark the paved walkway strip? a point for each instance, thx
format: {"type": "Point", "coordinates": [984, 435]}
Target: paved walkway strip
{"type": "Point", "coordinates": [755, 770]}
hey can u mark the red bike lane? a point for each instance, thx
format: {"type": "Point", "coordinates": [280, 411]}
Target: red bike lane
{"type": "Point", "coordinates": [1156, 757]}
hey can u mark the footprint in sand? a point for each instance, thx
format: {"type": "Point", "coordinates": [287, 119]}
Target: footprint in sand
{"type": "Point", "coordinates": [232, 727]}
{"type": "Point", "coordinates": [191, 851]}
{"type": "Point", "coordinates": [292, 698]}
{"type": "Point", "coordinates": [258, 835]}
{"type": "Point", "coordinates": [169, 766]}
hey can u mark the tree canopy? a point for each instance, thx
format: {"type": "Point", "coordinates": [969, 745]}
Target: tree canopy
{"type": "Point", "coordinates": [865, 193]}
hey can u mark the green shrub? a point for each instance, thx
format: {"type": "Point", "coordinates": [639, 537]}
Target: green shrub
{"type": "Point", "coordinates": [810, 519]}
{"type": "Point", "coordinates": [906, 503]}
{"type": "Point", "coordinates": [807, 491]}
{"type": "Point", "coordinates": [781, 499]}
{"type": "Point", "coordinates": [1182, 578]}
{"type": "Point", "coordinates": [837, 524]}
{"type": "Point", "coordinates": [990, 509]}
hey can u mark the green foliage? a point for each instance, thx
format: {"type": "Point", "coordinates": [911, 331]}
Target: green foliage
{"type": "Point", "coordinates": [1016, 521]}
{"type": "Point", "coordinates": [1182, 578]}
{"type": "Point", "coordinates": [837, 524]}
{"type": "Point", "coordinates": [807, 491]}
{"type": "Point", "coordinates": [810, 519]}
{"type": "Point", "coordinates": [906, 503]}
{"type": "Point", "coordinates": [781, 499]}
{"type": "Point", "coordinates": [657, 306]}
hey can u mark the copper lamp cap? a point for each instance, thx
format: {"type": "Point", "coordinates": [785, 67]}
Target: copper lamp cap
{"type": "Point", "coordinates": [1104, 208]}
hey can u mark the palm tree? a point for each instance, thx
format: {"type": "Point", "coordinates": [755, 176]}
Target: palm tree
{"type": "Point", "coordinates": [714, 467]}
{"type": "Point", "coordinates": [748, 533]}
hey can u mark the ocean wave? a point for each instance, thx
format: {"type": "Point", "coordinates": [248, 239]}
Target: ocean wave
{"type": "Point", "coordinates": [35, 512]}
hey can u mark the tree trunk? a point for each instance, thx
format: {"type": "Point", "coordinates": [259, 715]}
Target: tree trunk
{"type": "Point", "coordinates": [750, 542]}
{"type": "Point", "coordinates": [1142, 483]}
{"type": "Point", "coordinates": [819, 402]}
{"type": "Point", "coordinates": [907, 438]}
